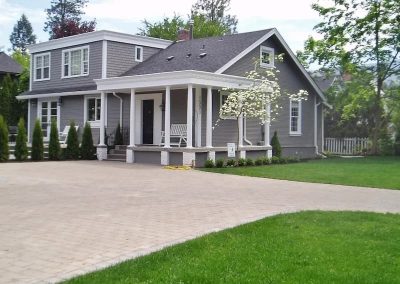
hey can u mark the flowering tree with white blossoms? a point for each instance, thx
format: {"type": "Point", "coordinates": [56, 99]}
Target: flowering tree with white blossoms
{"type": "Point", "coordinates": [260, 100]}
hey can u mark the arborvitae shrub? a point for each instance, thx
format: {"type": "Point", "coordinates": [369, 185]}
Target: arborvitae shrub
{"type": "Point", "coordinates": [118, 136]}
{"type": "Point", "coordinates": [249, 162]}
{"type": "Point", "coordinates": [21, 147]}
{"type": "Point", "coordinates": [219, 163]}
{"type": "Point", "coordinates": [275, 160]}
{"type": "Point", "coordinates": [4, 151]}
{"type": "Point", "coordinates": [276, 146]}
{"type": "Point", "coordinates": [54, 143]}
{"type": "Point", "coordinates": [259, 161]}
{"type": "Point", "coordinates": [72, 150]}
{"type": "Point", "coordinates": [230, 163]}
{"type": "Point", "coordinates": [37, 142]}
{"type": "Point", "coordinates": [241, 162]}
{"type": "Point", "coordinates": [88, 151]}
{"type": "Point", "coordinates": [209, 163]}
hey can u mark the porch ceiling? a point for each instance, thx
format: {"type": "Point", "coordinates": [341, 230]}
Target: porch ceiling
{"type": "Point", "coordinates": [176, 79]}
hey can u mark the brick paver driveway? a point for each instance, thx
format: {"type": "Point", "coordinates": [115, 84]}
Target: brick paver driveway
{"type": "Point", "coordinates": [59, 219]}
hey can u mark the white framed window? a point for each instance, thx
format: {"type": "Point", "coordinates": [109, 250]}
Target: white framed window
{"type": "Point", "coordinates": [223, 96]}
{"type": "Point", "coordinates": [138, 53]}
{"type": "Point", "coordinates": [42, 67]}
{"type": "Point", "coordinates": [92, 110]}
{"type": "Point", "coordinates": [75, 62]}
{"type": "Point", "coordinates": [266, 57]}
{"type": "Point", "coordinates": [295, 118]}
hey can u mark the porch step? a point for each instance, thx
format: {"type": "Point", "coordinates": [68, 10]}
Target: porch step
{"type": "Point", "coordinates": [116, 157]}
{"type": "Point", "coordinates": [121, 147]}
{"type": "Point", "coordinates": [120, 152]}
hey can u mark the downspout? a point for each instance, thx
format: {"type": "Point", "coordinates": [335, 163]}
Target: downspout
{"type": "Point", "coordinates": [120, 108]}
{"type": "Point", "coordinates": [245, 132]}
{"type": "Point", "coordinates": [316, 126]}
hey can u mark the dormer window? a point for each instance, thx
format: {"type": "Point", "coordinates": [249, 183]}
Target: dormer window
{"type": "Point", "coordinates": [266, 57]}
{"type": "Point", "coordinates": [42, 67]}
{"type": "Point", "coordinates": [138, 53]}
{"type": "Point", "coordinates": [75, 62]}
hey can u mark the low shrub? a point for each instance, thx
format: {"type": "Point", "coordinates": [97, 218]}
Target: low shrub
{"type": "Point", "coordinates": [266, 161]}
{"type": "Point", "coordinates": [276, 146]}
{"type": "Point", "coordinates": [21, 148]}
{"type": "Point", "coordinates": [397, 144]}
{"type": "Point", "coordinates": [230, 163]}
{"type": "Point", "coordinates": [219, 163]}
{"type": "Point", "coordinates": [275, 160]}
{"type": "Point", "coordinates": [209, 163]}
{"type": "Point", "coordinates": [249, 162]}
{"type": "Point", "coordinates": [283, 160]}
{"type": "Point", "coordinates": [293, 159]}
{"type": "Point", "coordinates": [37, 142]}
{"type": "Point", "coordinates": [4, 151]}
{"type": "Point", "coordinates": [259, 161]}
{"type": "Point", "coordinates": [386, 145]}
{"type": "Point", "coordinates": [241, 162]}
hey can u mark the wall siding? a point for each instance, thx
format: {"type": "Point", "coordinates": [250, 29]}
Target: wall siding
{"type": "Point", "coordinates": [121, 57]}
{"type": "Point", "coordinates": [291, 80]}
{"type": "Point", "coordinates": [55, 82]}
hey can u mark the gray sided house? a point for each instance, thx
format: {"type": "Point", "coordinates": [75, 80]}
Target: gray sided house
{"type": "Point", "coordinates": [166, 95]}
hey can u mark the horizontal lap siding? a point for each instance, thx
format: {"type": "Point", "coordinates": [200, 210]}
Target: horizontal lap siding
{"type": "Point", "coordinates": [121, 57]}
{"type": "Point", "coordinates": [95, 62]}
{"type": "Point", "coordinates": [291, 80]}
{"type": "Point", "coordinates": [72, 109]}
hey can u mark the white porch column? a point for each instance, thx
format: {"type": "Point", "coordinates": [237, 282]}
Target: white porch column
{"type": "Point", "coordinates": [189, 117]}
{"type": "Point", "coordinates": [102, 148]}
{"type": "Point", "coordinates": [209, 118]}
{"type": "Point", "coordinates": [267, 126]}
{"type": "Point", "coordinates": [240, 121]}
{"type": "Point", "coordinates": [167, 120]}
{"type": "Point", "coordinates": [322, 129]}
{"type": "Point", "coordinates": [130, 155]}
{"type": "Point", "coordinates": [198, 111]}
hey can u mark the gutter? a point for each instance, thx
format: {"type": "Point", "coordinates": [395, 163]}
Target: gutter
{"type": "Point", "coordinates": [245, 132]}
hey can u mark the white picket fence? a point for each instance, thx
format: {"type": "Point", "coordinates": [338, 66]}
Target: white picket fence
{"type": "Point", "coordinates": [345, 146]}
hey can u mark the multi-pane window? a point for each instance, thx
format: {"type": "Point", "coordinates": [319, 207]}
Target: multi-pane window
{"type": "Point", "coordinates": [42, 67]}
{"type": "Point", "coordinates": [94, 106]}
{"type": "Point", "coordinates": [223, 97]}
{"type": "Point", "coordinates": [295, 117]}
{"type": "Point", "coordinates": [76, 62]}
{"type": "Point", "coordinates": [266, 56]}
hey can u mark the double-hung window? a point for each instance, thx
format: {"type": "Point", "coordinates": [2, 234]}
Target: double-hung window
{"type": "Point", "coordinates": [42, 67]}
{"type": "Point", "coordinates": [75, 62]}
{"type": "Point", "coordinates": [93, 109]}
{"type": "Point", "coordinates": [266, 57]}
{"type": "Point", "coordinates": [295, 117]}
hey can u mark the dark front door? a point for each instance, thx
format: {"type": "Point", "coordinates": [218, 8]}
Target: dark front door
{"type": "Point", "coordinates": [148, 121]}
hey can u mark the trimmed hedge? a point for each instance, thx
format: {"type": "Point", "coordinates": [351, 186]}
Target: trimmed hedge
{"type": "Point", "coordinates": [276, 146]}
{"type": "Point", "coordinates": [21, 147]}
{"type": "Point", "coordinates": [37, 142]}
{"type": "Point", "coordinates": [88, 150]}
{"type": "Point", "coordinates": [72, 150]}
{"type": "Point", "coordinates": [54, 143]}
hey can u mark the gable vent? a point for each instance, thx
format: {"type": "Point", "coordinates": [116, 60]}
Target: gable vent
{"type": "Point", "coordinates": [201, 55]}
{"type": "Point", "coordinates": [169, 58]}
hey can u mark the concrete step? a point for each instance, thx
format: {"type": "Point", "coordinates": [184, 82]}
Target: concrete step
{"type": "Point", "coordinates": [116, 157]}
{"type": "Point", "coordinates": [116, 160]}
{"type": "Point", "coordinates": [120, 152]}
{"type": "Point", "coordinates": [121, 147]}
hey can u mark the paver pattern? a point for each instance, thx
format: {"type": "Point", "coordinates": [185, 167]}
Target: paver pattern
{"type": "Point", "coordinates": [60, 219]}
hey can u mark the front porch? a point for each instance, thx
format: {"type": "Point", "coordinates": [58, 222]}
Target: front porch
{"type": "Point", "coordinates": [186, 99]}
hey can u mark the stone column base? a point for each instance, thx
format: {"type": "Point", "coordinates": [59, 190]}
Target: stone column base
{"type": "Point", "coordinates": [242, 154]}
{"type": "Point", "coordinates": [189, 159]}
{"type": "Point", "coordinates": [164, 158]}
{"type": "Point", "coordinates": [211, 156]}
{"type": "Point", "coordinates": [269, 154]}
{"type": "Point", "coordinates": [130, 155]}
{"type": "Point", "coordinates": [101, 152]}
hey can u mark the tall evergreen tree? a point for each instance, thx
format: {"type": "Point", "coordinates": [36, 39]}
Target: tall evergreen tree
{"type": "Point", "coordinates": [37, 142]}
{"type": "Point", "coordinates": [54, 143]}
{"type": "Point", "coordinates": [64, 18]}
{"type": "Point", "coordinates": [3, 140]}
{"type": "Point", "coordinates": [21, 148]}
{"type": "Point", "coordinates": [6, 89]}
{"type": "Point", "coordinates": [88, 151]}
{"type": "Point", "coordinates": [276, 146]}
{"type": "Point", "coordinates": [216, 11]}
{"type": "Point", "coordinates": [72, 150]}
{"type": "Point", "coordinates": [22, 34]}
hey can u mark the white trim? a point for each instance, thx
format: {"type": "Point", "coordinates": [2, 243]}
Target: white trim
{"type": "Point", "coordinates": [167, 118]}
{"type": "Point", "coordinates": [198, 115]}
{"type": "Point", "coordinates": [63, 94]}
{"type": "Point", "coordinates": [267, 126]}
{"type": "Point", "coordinates": [246, 51]}
{"type": "Point", "coordinates": [30, 72]}
{"type": "Point", "coordinates": [39, 114]}
{"type": "Point", "coordinates": [189, 116]}
{"type": "Point", "coordinates": [104, 60]}
{"type": "Point", "coordinates": [102, 119]}
{"type": "Point", "coordinates": [271, 53]}
{"type": "Point", "coordinates": [157, 97]}
{"type": "Point", "coordinates": [82, 74]}
{"type": "Point", "coordinates": [132, 110]}
{"type": "Point", "coordinates": [322, 129]}
{"type": "Point", "coordinates": [175, 78]}
{"type": "Point", "coordinates": [141, 53]}
{"type": "Point", "coordinates": [288, 50]}
{"type": "Point", "coordinates": [299, 119]}
{"type": "Point", "coordinates": [209, 119]}
{"type": "Point", "coordinates": [29, 120]}
{"type": "Point", "coordinates": [95, 123]}
{"type": "Point", "coordinates": [99, 36]}
{"type": "Point", "coordinates": [42, 69]}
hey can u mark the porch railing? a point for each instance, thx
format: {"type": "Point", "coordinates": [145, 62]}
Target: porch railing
{"type": "Point", "coordinates": [346, 146]}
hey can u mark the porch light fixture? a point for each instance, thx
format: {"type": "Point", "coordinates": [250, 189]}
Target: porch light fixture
{"type": "Point", "coordinates": [202, 55]}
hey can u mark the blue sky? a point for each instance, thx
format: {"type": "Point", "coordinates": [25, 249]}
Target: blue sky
{"type": "Point", "coordinates": [294, 19]}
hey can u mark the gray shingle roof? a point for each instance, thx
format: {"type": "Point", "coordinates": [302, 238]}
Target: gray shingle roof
{"type": "Point", "coordinates": [91, 87]}
{"type": "Point", "coordinates": [9, 65]}
{"type": "Point", "coordinates": [220, 50]}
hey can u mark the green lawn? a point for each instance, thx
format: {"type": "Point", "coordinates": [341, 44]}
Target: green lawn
{"type": "Point", "coordinates": [381, 172]}
{"type": "Point", "coordinates": [306, 247]}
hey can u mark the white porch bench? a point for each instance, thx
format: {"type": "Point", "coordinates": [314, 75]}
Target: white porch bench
{"type": "Point", "coordinates": [64, 135]}
{"type": "Point", "coordinates": [178, 132]}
